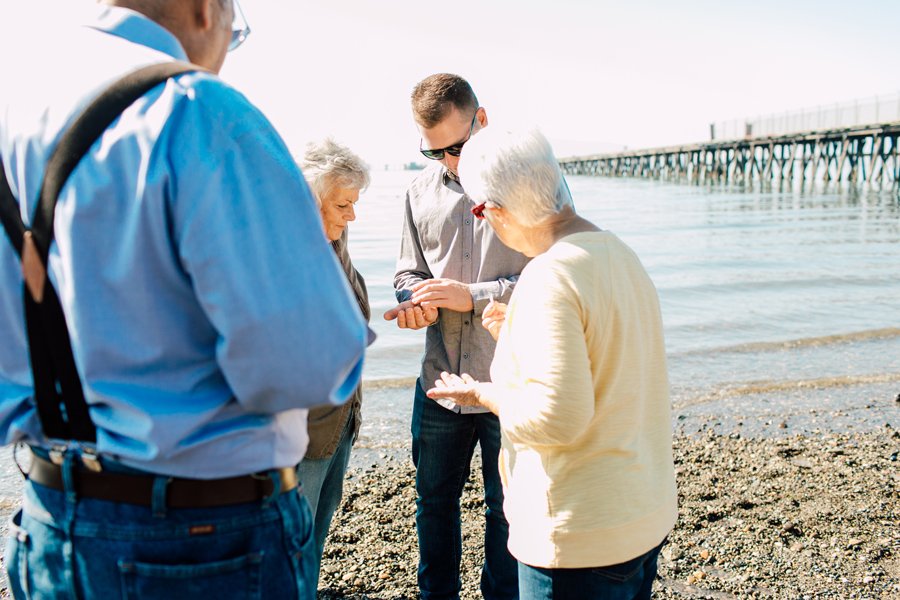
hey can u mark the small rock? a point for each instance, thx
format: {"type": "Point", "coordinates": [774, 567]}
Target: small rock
{"type": "Point", "coordinates": [854, 542]}
{"type": "Point", "coordinates": [384, 575]}
{"type": "Point", "coordinates": [670, 554]}
{"type": "Point", "coordinates": [704, 554]}
{"type": "Point", "coordinates": [790, 527]}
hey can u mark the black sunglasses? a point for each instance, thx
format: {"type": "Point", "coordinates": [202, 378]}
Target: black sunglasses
{"type": "Point", "coordinates": [454, 150]}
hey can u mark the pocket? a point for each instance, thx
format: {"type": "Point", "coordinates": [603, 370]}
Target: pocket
{"type": "Point", "coordinates": [301, 544]}
{"type": "Point", "coordinates": [236, 579]}
{"type": "Point", "coordinates": [621, 572]}
{"type": "Point", "coordinates": [16, 558]}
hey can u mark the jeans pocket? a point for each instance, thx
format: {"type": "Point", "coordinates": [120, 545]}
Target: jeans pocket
{"type": "Point", "coordinates": [16, 558]}
{"type": "Point", "coordinates": [236, 579]}
{"type": "Point", "coordinates": [621, 572]}
{"type": "Point", "coordinates": [301, 545]}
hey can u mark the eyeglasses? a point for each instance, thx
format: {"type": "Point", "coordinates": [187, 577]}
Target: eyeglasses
{"type": "Point", "coordinates": [478, 210]}
{"type": "Point", "coordinates": [239, 28]}
{"type": "Point", "coordinates": [454, 150]}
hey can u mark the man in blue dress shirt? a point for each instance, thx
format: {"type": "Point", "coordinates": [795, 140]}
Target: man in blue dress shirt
{"type": "Point", "coordinates": [206, 314]}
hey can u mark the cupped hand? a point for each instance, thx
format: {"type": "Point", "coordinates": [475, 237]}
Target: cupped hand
{"type": "Point", "coordinates": [459, 388]}
{"type": "Point", "coordinates": [443, 293]}
{"type": "Point", "coordinates": [412, 316]}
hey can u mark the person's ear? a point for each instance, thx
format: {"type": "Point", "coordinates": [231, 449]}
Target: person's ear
{"type": "Point", "coordinates": [498, 215]}
{"type": "Point", "coordinates": [202, 13]}
{"type": "Point", "coordinates": [481, 116]}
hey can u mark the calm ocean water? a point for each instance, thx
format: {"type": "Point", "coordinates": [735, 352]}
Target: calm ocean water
{"type": "Point", "coordinates": [761, 291]}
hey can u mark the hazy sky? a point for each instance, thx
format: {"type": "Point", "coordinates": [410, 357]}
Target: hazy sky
{"type": "Point", "coordinates": [592, 74]}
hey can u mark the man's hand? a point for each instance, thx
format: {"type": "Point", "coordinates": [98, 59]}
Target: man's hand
{"type": "Point", "coordinates": [493, 317]}
{"type": "Point", "coordinates": [443, 293]}
{"type": "Point", "coordinates": [411, 316]}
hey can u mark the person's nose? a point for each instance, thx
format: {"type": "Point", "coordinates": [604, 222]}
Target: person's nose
{"type": "Point", "coordinates": [350, 215]}
{"type": "Point", "coordinates": [450, 161]}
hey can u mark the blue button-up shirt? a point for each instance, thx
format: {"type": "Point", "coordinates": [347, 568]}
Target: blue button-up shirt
{"type": "Point", "coordinates": [206, 309]}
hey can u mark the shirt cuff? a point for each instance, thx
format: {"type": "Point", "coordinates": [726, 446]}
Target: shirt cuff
{"type": "Point", "coordinates": [482, 294]}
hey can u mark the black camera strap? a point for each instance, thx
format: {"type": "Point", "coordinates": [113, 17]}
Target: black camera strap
{"type": "Point", "coordinates": [58, 392]}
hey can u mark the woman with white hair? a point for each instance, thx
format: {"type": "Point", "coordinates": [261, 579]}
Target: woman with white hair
{"type": "Point", "coordinates": [579, 382]}
{"type": "Point", "coordinates": [336, 176]}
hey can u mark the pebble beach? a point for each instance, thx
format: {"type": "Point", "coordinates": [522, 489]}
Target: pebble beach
{"type": "Point", "coordinates": [793, 517]}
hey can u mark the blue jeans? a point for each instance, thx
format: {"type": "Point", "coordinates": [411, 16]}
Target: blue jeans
{"type": "Point", "coordinates": [63, 546]}
{"type": "Point", "coordinates": [443, 443]}
{"type": "Point", "coordinates": [630, 580]}
{"type": "Point", "coordinates": [323, 486]}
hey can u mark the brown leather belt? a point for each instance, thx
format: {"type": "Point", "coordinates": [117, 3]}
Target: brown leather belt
{"type": "Point", "coordinates": [180, 493]}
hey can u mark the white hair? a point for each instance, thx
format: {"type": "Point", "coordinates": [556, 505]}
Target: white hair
{"type": "Point", "coordinates": [516, 171]}
{"type": "Point", "coordinates": [327, 164]}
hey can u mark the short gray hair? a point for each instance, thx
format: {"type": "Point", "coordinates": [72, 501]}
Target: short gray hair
{"type": "Point", "coordinates": [327, 164]}
{"type": "Point", "coordinates": [517, 171]}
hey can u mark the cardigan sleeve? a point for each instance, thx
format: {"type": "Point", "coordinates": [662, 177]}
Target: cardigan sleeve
{"type": "Point", "coordinates": [547, 396]}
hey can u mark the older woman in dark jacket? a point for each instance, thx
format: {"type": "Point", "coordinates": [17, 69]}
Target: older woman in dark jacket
{"type": "Point", "coordinates": [336, 176]}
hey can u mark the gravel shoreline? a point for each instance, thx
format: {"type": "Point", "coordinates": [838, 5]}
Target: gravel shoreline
{"type": "Point", "coordinates": [795, 517]}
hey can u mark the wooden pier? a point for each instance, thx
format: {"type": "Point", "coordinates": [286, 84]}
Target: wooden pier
{"type": "Point", "coordinates": [854, 155]}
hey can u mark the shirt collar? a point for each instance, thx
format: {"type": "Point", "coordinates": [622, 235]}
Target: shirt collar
{"type": "Point", "coordinates": [450, 179]}
{"type": "Point", "coordinates": [135, 27]}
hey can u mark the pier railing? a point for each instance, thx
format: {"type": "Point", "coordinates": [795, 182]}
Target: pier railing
{"type": "Point", "coordinates": [876, 109]}
{"type": "Point", "coordinates": [853, 154]}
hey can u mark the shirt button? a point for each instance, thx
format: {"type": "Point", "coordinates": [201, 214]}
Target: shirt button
{"type": "Point", "coordinates": [468, 221]}
{"type": "Point", "coordinates": [465, 322]}
{"type": "Point", "coordinates": [466, 356]}
{"type": "Point", "coordinates": [467, 255]}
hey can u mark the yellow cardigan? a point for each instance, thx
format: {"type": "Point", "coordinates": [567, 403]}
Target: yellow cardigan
{"type": "Point", "coordinates": [583, 397]}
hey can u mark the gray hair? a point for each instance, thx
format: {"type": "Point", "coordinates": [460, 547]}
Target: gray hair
{"type": "Point", "coordinates": [327, 164]}
{"type": "Point", "coordinates": [517, 171]}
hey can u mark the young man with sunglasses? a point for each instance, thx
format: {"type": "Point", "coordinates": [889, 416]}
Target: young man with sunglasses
{"type": "Point", "coordinates": [197, 334]}
{"type": "Point", "coordinates": [450, 267]}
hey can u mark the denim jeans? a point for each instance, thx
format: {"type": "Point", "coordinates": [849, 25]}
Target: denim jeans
{"type": "Point", "coordinates": [323, 486]}
{"type": "Point", "coordinates": [443, 443]}
{"type": "Point", "coordinates": [63, 546]}
{"type": "Point", "coordinates": [630, 580]}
